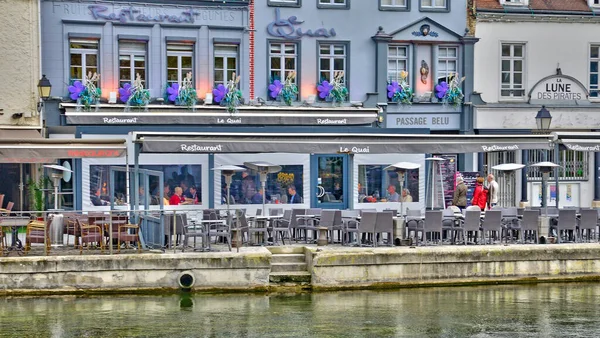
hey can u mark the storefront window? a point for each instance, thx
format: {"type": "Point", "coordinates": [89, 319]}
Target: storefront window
{"type": "Point", "coordinates": [375, 184]}
{"type": "Point", "coordinates": [188, 178]}
{"type": "Point", "coordinates": [285, 186]}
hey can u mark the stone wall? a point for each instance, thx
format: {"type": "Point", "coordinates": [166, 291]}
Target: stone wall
{"type": "Point", "coordinates": [221, 271]}
{"type": "Point", "coordinates": [19, 47]}
{"type": "Point", "coordinates": [401, 267]}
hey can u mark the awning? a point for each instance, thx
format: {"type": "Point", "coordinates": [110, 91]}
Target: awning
{"type": "Point", "coordinates": [579, 141]}
{"type": "Point", "coordinates": [325, 143]}
{"type": "Point", "coordinates": [43, 150]}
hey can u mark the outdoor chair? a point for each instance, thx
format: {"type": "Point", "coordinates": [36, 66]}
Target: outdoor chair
{"type": "Point", "coordinates": [258, 229]}
{"type": "Point", "coordinates": [258, 212]}
{"type": "Point", "coordinates": [510, 222]}
{"type": "Point", "coordinates": [492, 224]}
{"type": "Point", "coordinates": [90, 234]}
{"type": "Point", "coordinates": [588, 222]}
{"type": "Point", "coordinates": [567, 221]}
{"type": "Point", "coordinates": [1, 200]}
{"type": "Point", "coordinates": [194, 230]}
{"type": "Point", "coordinates": [530, 224]}
{"type": "Point", "coordinates": [117, 221]}
{"type": "Point", "coordinates": [311, 224]}
{"type": "Point", "coordinates": [366, 226]}
{"type": "Point", "coordinates": [38, 232]}
{"type": "Point", "coordinates": [433, 225]}
{"type": "Point", "coordinates": [471, 225]}
{"type": "Point", "coordinates": [71, 228]}
{"type": "Point", "coordinates": [131, 233]}
{"type": "Point", "coordinates": [385, 225]}
{"type": "Point", "coordinates": [222, 229]}
{"type": "Point", "coordinates": [281, 227]}
{"type": "Point", "coordinates": [7, 211]}
{"type": "Point", "coordinates": [350, 222]}
{"type": "Point", "coordinates": [275, 211]}
{"type": "Point", "coordinates": [327, 219]}
{"type": "Point", "coordinates": [449, 224]}
{"type": "Point", "coordinates": [393, 211]}
{"type": "Point", "coordinates": [296, 226]}
{"type": "Point", "coordinates": [414, 223]}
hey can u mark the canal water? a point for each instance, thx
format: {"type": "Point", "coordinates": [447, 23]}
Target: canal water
{"type": "Point", "coordinates": [545, 310]}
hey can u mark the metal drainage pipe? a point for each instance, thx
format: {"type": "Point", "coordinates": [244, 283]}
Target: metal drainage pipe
{"type": "Point", "coordinates": [186, 280]}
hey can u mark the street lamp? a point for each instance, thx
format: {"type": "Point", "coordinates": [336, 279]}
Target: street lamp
{"type": "Point", "coordinates": [44, 89]}
{"type": "Point", "coordinates": [543, 119]}
{"type": "Point", "coordinates": [228, 171]}
{"type": "Point", "coordinates": [401, 168]}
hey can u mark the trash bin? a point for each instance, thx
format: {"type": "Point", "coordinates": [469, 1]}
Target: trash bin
{"type": "Point", "coordinates": [56, 229]}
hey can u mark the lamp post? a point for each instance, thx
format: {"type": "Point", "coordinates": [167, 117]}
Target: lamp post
{"type": "Point", "coordinates": [228, 171]}
{"type": "Point", "coordinates": [401, 168]}
{"type": "Point", "coordinates": [509, 169]}
{"type": "Point", "coordinates": [545, 168]}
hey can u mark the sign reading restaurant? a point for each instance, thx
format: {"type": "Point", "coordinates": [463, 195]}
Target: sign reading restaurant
{"type": "Point", "coordinates": [558, 88]}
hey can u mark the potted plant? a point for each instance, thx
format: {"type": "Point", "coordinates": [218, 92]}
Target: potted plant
{"type": "Point", "coordinates": [36, 194]}
{"type": "Point", "coordinates": [334, 90]}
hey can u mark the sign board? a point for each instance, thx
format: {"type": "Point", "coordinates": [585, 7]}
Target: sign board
{"type": "Point", "coordinates": [424, 121]}
{"type": "Point", "coordinates": [470, 179]}
{"type": "Point", "coordinates": [448, 172]}
{"type": "Point", "coordinates": [558, 88]}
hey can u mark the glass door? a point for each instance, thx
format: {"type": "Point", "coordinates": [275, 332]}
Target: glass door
{"type": "Point", "coordinates": [330, 181]}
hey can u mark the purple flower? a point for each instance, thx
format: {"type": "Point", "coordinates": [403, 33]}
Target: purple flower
{"type": "Point", "coordinates": [393, 88]}
{"type": "Point", "coordinates": [76, 89]}
{"type": "Point", "coordinates": [441, 89]}
{"type": "Point", "coordinates": [173, 91]}
{"type": "Point", "coordinates": [275, 88]}
{"type": "Point", "coordinates": [125, 92]}
{"type": "Point", "coordinates": [219, 93]}
{"type": "Point", "coordinates": [324, 89]}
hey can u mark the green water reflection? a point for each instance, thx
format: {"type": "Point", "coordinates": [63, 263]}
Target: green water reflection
{"type": "Point", "coordinates": [549, 310]}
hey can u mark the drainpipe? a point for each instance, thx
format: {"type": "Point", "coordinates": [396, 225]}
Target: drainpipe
{"type": "Point", "coordinates": [525, 161]}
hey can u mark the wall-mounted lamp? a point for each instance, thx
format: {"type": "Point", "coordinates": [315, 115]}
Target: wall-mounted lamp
{"type": "Point", "coordinates": [44, 89]}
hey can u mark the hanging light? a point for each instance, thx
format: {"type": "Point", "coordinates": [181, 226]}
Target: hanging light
{"type": "Point", "coordinates": [543, 119]}
{"type": "Point", "coordinates": [44, 88]}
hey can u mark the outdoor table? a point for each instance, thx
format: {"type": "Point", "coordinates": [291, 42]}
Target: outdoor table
{"type": "Point", "coordinates": [14, 223]}
{"type": "Point", "coordinates": [262, 221]}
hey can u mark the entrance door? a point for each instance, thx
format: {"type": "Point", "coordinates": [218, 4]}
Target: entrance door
{"type": "Point", "coordinates": [330, 181]}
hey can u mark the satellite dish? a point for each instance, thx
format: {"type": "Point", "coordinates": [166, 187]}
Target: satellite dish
{"type": "Point", "coordinates": [67, 174]}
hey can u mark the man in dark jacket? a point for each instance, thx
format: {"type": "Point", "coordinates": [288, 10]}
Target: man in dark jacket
{"type": "Point", "coordinates": [460, 194]}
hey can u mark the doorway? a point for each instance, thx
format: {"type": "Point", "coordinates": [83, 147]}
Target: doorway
{"type": "Point", "coordinates": [329, 180]}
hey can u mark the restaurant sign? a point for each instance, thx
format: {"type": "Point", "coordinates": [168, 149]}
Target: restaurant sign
{"type": "Point", "coordinates": [558, 88]}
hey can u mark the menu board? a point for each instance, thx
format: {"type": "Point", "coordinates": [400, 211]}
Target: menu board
{"type": "Point", "coordinates": [448, 171]}
{"type": "Point", "coordinates": [470, 179]}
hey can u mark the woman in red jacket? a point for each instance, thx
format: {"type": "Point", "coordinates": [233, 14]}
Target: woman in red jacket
{"type": "Point", "coordinates": [480, 194]}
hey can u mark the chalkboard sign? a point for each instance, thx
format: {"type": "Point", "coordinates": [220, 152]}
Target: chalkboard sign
{"type": "Point", "coordinates": [448, 169]}
{"type": "Point", "coordinates": [470, 179]}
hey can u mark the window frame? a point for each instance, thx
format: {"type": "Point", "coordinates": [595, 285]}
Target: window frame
{"type": "Point", "coordinates": [597, 72]}
{"type": "Point", "coordinates": [395, 8]}
{"type": "Point", "coordinates": [407, 59]}
{"type": "Point", "coordinates": [432, 8]}
{"type": "Point", "coordinates": [524, 72]}
{"type": "Point", "coordinates": [282, 68]}
{"type": "Point", "coordinates": [331, 5]}
{"type": "Point", "coordinates": [284, 3]}
{"type": "Point", "coordinates": [132, 54]}
{"type": "Point", "coordinates": [84, 53]}
{"type": "Point", "coordinates": [179, 55]}
{"type": "Point", "coordinates": [438, 58]}
{"type": "Point", "coordinates": [346, 61]}
{"type": "Point", "coordinates": [225, 55]}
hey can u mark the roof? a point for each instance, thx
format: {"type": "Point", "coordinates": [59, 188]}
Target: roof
{"type": "Point", "coordinates": [537, 5]}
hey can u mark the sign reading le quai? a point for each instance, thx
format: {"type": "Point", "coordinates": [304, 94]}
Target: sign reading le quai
{"type": "Point", "coordinates": [558, 88]}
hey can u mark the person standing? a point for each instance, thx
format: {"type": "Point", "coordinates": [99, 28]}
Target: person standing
{"type": "Point", "coordinates": [493, 191]}
{"type": "Point", "coordinates": [480, 194]}
{"type": "Point", "coordinates": [460, 194]}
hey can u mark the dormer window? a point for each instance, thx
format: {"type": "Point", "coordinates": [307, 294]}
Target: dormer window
{"type": "Point", "coordinates": [516, 2]}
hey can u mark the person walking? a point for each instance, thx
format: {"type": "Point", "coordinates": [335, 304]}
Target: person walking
{"type": "Point", "coordinates": [492, 200]}
{"type": "Point", "coordinates": [460, 194]}
{"type": "Point", "coordinates": [480, 194]}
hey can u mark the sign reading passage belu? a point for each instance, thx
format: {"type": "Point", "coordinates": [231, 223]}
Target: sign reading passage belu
{"type": "Point", "coordinates": [558, 88]}
{"type": "Point", "coordinates": [288, 28]}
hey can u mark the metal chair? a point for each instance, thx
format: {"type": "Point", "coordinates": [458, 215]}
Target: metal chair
{"type": "Point", "coordinates": [385, 225]}
{"type": "Point", "coordinates": [449, 224]}
{"type": "Point", "coordinates": [90, 234]}
{"type": "Point", "coordinates": [366, 226]}
{"type": "Point", "coordinates": [350, 222]}
{"type": "Point", "coordinates": [530, 224]}
{"type": "Point", "coordinates": [414, 223]}
{"type": "Point", "coordinates": [194, 230]}
{"type": "Point", "coordinates": [588, 222]}
{"type": "Point", "coordinates": [131, 233]}
{"type": "Point", "coordinates": [295, 226]}
{"type": "Point", "coordinates": [433, 224]}
{"type": "Point", "coordinates": [257, 228]}
{"type": "Point", "coordinates": [38, 232]}
{"type": "Point", "coordinates": [567, 221]}
{"type": "Point", "coordinates": [281, 227]}
{"type": "Point", "coordinates": [223, 229]}
{"type": "Point", "coordinates": [471, 224]}
{"type": "Point", "coordinates": [492, 224]}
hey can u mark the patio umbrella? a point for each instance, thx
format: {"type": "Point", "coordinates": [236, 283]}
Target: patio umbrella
{"type": "Point", "coordinates": [509, 169]}
{"type": "Point", "coordinates": [263, 168]}
{"type": "Point", "coordinates": [228, 171]}
{"type": "Point", "coordinates": [401, 168]}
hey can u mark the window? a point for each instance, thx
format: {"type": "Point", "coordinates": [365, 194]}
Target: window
{"type": "Point", "coordinates": [375, 184]}
{"type": "Point", "coordinates": [574, 165]}
{"type": "Point", "coordinates": [283, 59]}
{"type": "Point", "coordinates": [393, 4]}
{"type": "Point", "coordinates": [285, 3]}
{"type": "Point", "coordinates": [434, 4]}
{"type": "Point", "coordinates": [397, 61]}
{"type": "Point", "coordinates": [513, 63]}
{"type": "Point", "coordinates": [246, 187]}
{"type": "Point", "coordinates": [447, 66]}
{"type": "Point", "coordinates": [84, 58]}
{"type": "Point", "coordinates": [187, 177]}
{"type": "Point", "coordinates": [226, 63]}
{"type": "Point", "coordinates": [132, 61]}
{"type": "Point", "coordinates": [179, 62]}
{"type": "Point", "coordinates": [332, 59]}
{"type": "Point", "coordinates": [594, 72]}
{"type": "Point", "coordinates": [341, 4]}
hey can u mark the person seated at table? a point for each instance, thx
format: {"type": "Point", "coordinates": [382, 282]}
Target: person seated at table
{"type": "Point", "coordinates": [177, 197]}
{"type": "Point", "coordinates": [480, 194]}
{"type": "Point", "coordinates": [406, 196]}
{"type": "Point", "coordinates": [191, 195]}
{"type": "Point", "coordinates": [258, 197]}
{"type": "Point", "coordinates": [294, 198]}
{"type": "Point", "coordinates": [96, 200]}
{"type": "Point", "coordinates": [392, 194]}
